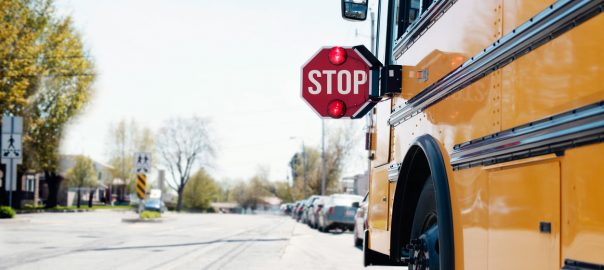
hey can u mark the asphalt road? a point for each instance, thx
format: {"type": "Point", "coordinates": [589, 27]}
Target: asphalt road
{"type": "Point", "coordinates": [101, 240]}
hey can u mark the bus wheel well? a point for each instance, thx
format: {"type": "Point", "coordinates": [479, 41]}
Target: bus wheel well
{"type": "Point", "coordinates": [423, 159]}
{"type": "Point", "coordinates": [414, 172]}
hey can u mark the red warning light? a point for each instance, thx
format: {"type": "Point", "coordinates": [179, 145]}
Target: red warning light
{"type": "Point", "coordinates": [337, 56]}
{"type": "Point", "coordinates": [336, 108]}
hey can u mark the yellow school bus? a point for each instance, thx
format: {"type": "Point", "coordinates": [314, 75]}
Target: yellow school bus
{"type": "Point", "coordinates": [490, 153]}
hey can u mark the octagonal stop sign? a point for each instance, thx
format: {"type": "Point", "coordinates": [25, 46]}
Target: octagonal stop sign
{"type": "Point", "coordinates": [341, 81]}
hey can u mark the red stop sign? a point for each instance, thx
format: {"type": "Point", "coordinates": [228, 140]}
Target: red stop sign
{"type": "Point", "coordinates": [341, 82]}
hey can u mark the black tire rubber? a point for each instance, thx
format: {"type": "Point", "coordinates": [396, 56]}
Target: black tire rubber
{"type": "Point", "coordinates": [425, 212]}
{"type": "Point", "coordinates": [358, 242]}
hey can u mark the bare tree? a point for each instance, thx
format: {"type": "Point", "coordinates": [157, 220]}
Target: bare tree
{"type": "Point", "coordinates": [184, 145]}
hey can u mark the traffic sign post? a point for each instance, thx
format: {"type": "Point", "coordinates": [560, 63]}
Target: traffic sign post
{"type": "Point", "coordinates": [12, 129]}
{"type": "Point", "coordinates": [141, 185]}
{"type": "Point", "coordinates": [341, 82]}
{"type": "Point", "coordinates": [142, 166]}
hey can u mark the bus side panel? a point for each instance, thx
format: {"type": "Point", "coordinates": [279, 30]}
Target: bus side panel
{"type": "Point", "coordinates": [473, 201]}
{"type": "Point", "coordinates": [523, 201]}
{"type": "Point", "coordinates": [583, 204]}
{"type": "Point", "coordinates": [559, 76]}
{"type": "Point", "coordinates": [379, 236]}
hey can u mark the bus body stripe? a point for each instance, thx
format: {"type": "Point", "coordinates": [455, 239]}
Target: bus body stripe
{"type": "Point", "coordinates": [554, 134]}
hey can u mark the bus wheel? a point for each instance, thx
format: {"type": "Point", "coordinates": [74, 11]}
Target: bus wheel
{"type": "Point", "coordinates": [423, 249]}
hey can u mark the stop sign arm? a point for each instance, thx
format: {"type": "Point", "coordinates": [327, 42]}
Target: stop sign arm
{"type": "Point", "coordinates": [374, 91]}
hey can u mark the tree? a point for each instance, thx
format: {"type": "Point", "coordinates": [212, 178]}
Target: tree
{"type": "Point", "coordinates": [201, 190]}
{"type": "Point", "coordinates": [341, 142]}
{"type": "Point", "coordinates": [124, 139]}
{"type": "Point", "coordinates": [46, 76]}
{"type": "Point", "coordinates": [284, 191]}
{"type": "Point", "coordinates": [82, 175]}
{"type": "Point", "coordinates": [184, 144]}
{"type": "Point", "coordinates": [249, 194]}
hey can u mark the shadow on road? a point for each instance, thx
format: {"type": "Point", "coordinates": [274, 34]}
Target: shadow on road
{"type": "Point", "coordinates": [186, 244]}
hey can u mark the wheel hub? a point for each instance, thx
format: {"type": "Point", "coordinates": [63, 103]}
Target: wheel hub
{"type": "Point", "coordinates": [423, 251]}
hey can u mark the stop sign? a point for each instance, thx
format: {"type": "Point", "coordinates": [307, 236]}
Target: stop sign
{"type": "Point", "coordinates": [341, 81]}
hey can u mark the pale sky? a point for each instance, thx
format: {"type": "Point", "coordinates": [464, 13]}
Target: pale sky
{"type": "Point", "coordinates": [235, 62]}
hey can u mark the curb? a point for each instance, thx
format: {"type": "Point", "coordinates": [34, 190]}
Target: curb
{"type": "Point", "coordinates": [144, 220]}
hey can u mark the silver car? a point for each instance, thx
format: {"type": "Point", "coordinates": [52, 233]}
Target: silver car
{"type": "Point", "coordinates": [338, 212]}
{"type": "Point", "coordinates": [313, 211]}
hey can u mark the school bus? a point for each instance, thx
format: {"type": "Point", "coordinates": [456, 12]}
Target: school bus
{"type": "Point", "coordinates": [489, 153]}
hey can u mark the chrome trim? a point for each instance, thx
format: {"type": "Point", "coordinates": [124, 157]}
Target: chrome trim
{"type": "Point", "coordinates": [415, 30]}
{"type": "Point", "coordinates": [393, 172]}
{"type": "Point", "coordinates": [557, 19]}
{"type": "Point", "coordinates": [551, 135]}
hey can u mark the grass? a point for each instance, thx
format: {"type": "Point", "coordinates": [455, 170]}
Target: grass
{"type": "Point", "coordinates": [6, 212]}
{"type": "Point", "coordinates": [150, 214]}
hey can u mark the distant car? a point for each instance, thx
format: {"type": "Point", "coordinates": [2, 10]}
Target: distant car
{"type": "Point", "coordinates": [338, 213]}
{"type": "Point", "coordinates": [294, 208]}
{"type": "Point", "coordinates": [306, 206]}
{"type": "Point", "coordinates": [299, 210]}
{"type": "Point", "coordinates": [360, 221]}
{"type": "Point", "coordinates": [312, 213]}
{"type": "Point", "coordinates": [286, 208]}
{"type": "Point", "coordinates": [155, 205]}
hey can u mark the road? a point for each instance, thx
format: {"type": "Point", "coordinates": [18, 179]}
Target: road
{"type": "Point", "coordinates": [101, 240]}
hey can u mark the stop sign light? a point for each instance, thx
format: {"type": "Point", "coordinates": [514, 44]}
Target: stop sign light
{"type": "Point", "coordinates": [341, 82]}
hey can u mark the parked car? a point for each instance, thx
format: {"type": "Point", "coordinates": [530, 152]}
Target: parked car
{"type": "Point", "coordinates": [156, 205]}
{"type": "Point", "coordinates": [295, 206]}
{"type": "Point", "coordinates": [338, 213]}
{"type": "Point", "coordinates": [286, 208]}
{"type": "Point", "coordinates": [299, 212]}
{"type": "Point", "coordinates": [360, 221]}
{"type": "Point", "coordinates": [306, 206]}
{"type": "Point", "coordinates": [313, 210]}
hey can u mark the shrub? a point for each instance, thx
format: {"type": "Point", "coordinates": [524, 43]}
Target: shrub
{"type": "Point", "coordinates": [150, 214]}
{"type": "Point", "coordinates": [6, 212]}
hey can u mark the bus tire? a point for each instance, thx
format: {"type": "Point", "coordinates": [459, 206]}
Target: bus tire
{"type": "Point", "coordinates": [424, 247]}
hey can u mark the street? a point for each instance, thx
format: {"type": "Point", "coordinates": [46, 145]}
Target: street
{"type": "Point", "coordinates": [101, 240]}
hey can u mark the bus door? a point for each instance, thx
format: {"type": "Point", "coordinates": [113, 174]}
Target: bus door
{"type": "Point", "coordinates": [379, 195]}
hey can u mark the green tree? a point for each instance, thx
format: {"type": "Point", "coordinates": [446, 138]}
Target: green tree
{"type": "Point", "coordinates": [249, 194]}
{"type": "Point", "coordinates": [284, 191]}
{"type": "Point", "coordinates": [46, 76]}
{"type": "Point", "coordinates": [201, 190]}
{"type": "Point", "coordinates": [82, 175]}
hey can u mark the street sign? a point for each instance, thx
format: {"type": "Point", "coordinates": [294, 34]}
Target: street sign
{"type": "Point", "coordinates": [142, 162]}
{"type": "Point", "coordinates": [141, 185]}
{"type": "Point", "coordinates": [341, 82]}
{"type": "Point", "coordinates": [11, 146]}
{"type": "Point", "coordinates": [11, 151]}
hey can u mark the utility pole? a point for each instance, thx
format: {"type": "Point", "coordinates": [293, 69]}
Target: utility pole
{"type": "Point", "coordinates": [323, 173]}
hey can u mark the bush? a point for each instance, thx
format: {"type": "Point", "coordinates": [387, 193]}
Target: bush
{"type": "Point", "coordinates": [150, 214]}
{"type": "Point", "coordinates": [6, 212]}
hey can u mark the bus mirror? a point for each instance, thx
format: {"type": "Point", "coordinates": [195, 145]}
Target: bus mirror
{"type": "Point", "coordinates": [355, 204]}
{"type": "Point", "coordinates": [355, 10]}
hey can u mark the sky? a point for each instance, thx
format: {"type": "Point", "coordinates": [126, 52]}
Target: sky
{"type": "Point", "coordinates": [235, 62]}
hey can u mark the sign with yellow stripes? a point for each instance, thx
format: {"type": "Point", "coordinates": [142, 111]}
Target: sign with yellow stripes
{"type": "Point", "coordinates": [141, 185]}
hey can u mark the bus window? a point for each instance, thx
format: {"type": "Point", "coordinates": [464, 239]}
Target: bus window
{"type": "Point", "coordinates": [409, 11]}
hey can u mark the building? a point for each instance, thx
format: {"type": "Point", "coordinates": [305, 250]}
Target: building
{"type": "Point", "coordinates": [32, 189]}
{"type": "Point", "coordinates": [356, 184]}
